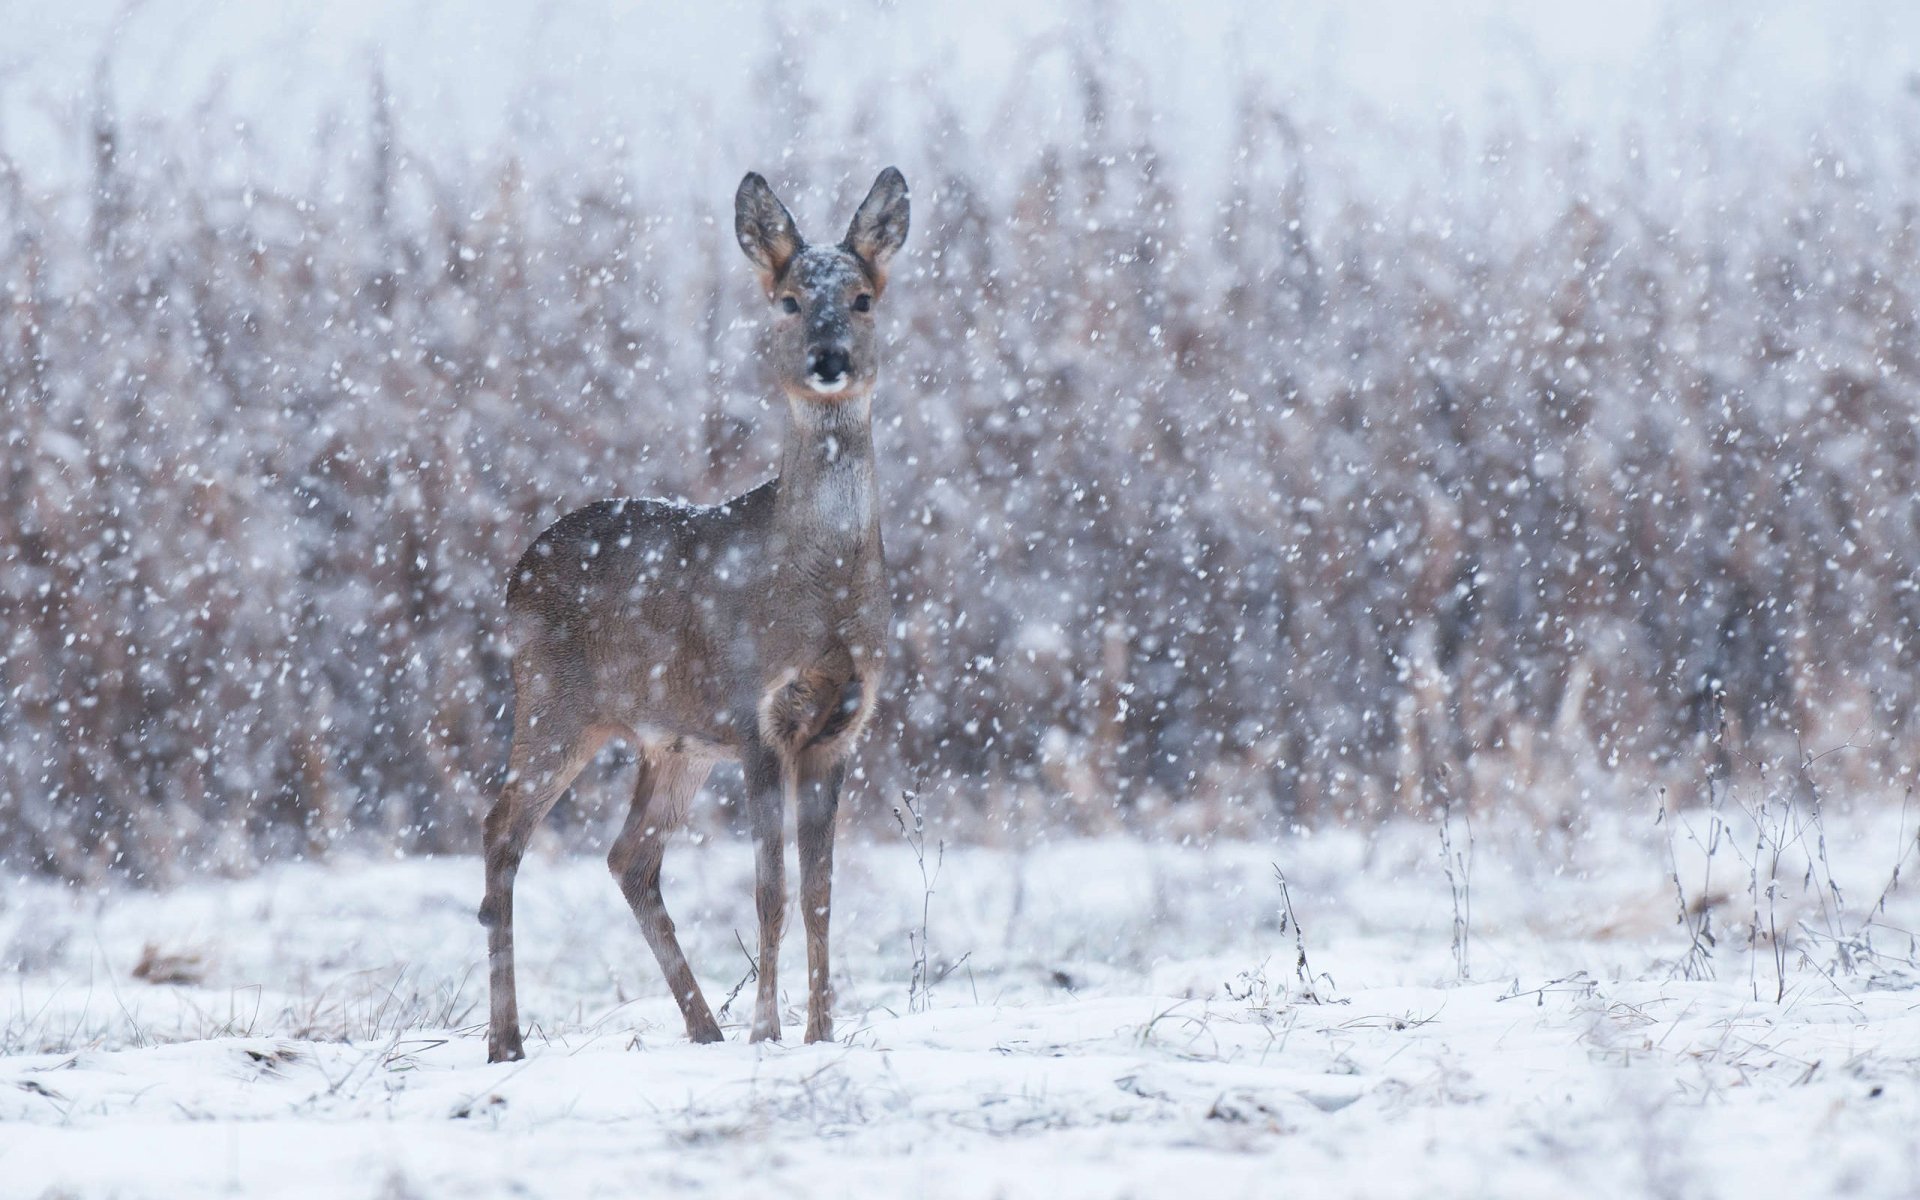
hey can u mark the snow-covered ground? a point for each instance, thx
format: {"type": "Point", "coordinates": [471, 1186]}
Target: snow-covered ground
{"type": "Point", "coordinates": [1109, 1017]}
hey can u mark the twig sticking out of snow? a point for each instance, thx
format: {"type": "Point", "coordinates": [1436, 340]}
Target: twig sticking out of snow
{"type": "Point", "coordinates": [1301, 969]}
{"type": "Point", "coordinates": [1695, 917]}
{"type": "Point", "coordinates": [920, 987]}
{"type": "Point", "coordinates": [1458, 861]}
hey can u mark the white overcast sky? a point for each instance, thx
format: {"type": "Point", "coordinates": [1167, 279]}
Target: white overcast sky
{"type": "Point", "coordinates": [469, 72]}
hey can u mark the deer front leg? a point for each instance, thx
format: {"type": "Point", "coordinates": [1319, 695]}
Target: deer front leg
{"type": "Point", "coordinates": [819, 804]}
{"type": "Point", "coordinates": [767, 781]}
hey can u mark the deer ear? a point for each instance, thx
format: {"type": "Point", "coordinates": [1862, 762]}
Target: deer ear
{"type": "Point", "coordinates": [880, 226]}
{"type": "Point", "coordinates": [765, 227]}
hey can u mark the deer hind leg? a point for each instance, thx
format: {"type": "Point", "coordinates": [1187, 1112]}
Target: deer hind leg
{"type": "Point", "coordinates": [769, 778]}
{"type": "Point", "coordinates": [668, 783]}
{"type": "Point", "coordinates": [549, 749]}
{"type": "Point", "coordinates": [818, 805]}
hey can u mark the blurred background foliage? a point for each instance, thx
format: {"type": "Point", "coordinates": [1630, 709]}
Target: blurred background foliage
{"type": "Point", "coordinates": [1220, 490]}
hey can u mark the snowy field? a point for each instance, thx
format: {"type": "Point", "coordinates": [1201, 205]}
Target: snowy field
{"type": "Point", "coordinates": [1107, 1018]}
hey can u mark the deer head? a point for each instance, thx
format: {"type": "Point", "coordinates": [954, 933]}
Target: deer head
{"type": "Point", "coordinates": [822, 346]}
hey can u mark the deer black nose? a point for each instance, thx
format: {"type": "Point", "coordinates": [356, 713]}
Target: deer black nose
{"type": "Point", "coordinates": [829, 366]}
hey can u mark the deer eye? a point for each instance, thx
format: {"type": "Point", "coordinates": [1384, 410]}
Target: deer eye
{"type": "Point", "coordinates": [789, 305]}
{"type": "Point", "coordinates": [862, 302]}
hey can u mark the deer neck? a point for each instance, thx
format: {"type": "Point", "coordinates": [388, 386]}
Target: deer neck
{"type": "Point", "coordinates": [826, 495]}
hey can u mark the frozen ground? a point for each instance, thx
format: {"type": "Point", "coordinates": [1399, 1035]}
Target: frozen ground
{"type": "Point", "coordinates": [1111, 1018]}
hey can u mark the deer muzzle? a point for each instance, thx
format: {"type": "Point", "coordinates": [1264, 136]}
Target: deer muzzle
{"type": "Point", "coordinates": [828, 370]}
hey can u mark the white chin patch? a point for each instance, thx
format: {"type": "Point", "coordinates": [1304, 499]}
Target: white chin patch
{"type": "Point", "coordinates": [828, 389]}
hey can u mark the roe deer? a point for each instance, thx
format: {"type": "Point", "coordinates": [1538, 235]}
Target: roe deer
{"type": "Point", "coordinates": [752, 630]}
